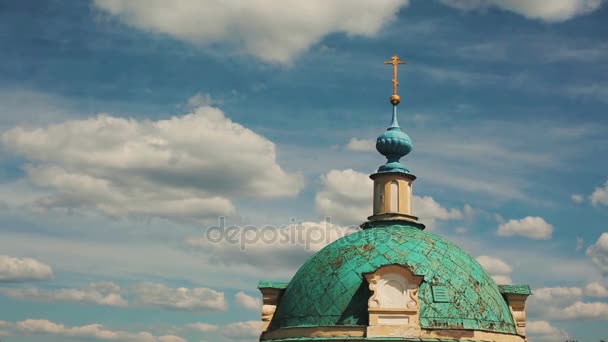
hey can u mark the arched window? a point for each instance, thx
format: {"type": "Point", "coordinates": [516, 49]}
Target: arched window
{"type": "Point", "coordinates": [394, 208]}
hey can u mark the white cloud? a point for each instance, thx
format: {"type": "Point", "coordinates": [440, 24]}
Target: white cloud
{"type": "Point", "coordinates": [427, 207]}
{"type": "Point", "coordinates": [556, 295]}
{"type": "Point", "coordinates": [248, 302]}
{"type": "Point", "coordinates": [185, 166]}
{"type": "Point", "coordinates": [347, 198]}
{"type": "Point", "coordinates": [90, 331]}
{"type": "Point", "coordinates": [550, 11]}
{"type": "Point", "coordinates": [600, 195]}
{"type": "Point", "coordinates": [361, 145]}
{"type": "Point", "coordinates": [270, 31]}
{"type": "Point", "coordinates": [596, 289]}
{"type": "Point", "coordinates": [494, 265]}
{"type": "Point", "coordinates": [502, 279]}
{"type": "Point", "coordinates": [145, 295]}
{"type": "Point", "coordinates": [39, 326]}
{"type": "Point", "coordinates": [599, 253]}
{"type": "Point", "coordinates": [202, 327]}
{"type": "Point", "coordinates": [582, 310]}
{"type": "Point", "coordinates": [566, 303]}
{"type": "Point", "coordinates": [499, 269]}
{"type": "Point", "coordinates": [242, 330]}
{"type": "Point", "coordinates": [577, 198]}
{"type": "Point", "coordinates": [194, 299]}
{"type": "Point", "coordinates": [544, 331]}
{"type": "Point", "coordinates": [104, 293]}
{"type": "Point", "coordinates": [532, 227]}
{"type": "Point", "coordinates": [14, 269]}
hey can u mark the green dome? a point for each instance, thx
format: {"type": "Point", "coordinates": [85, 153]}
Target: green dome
{"type": "Point", "coordinates": [330, 288]}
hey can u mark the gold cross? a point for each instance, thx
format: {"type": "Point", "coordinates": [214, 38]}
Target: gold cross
{"type": "Point", "coordinates": [395, 61]}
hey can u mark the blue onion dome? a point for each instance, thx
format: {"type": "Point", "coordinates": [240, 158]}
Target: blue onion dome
{"type": "Point", "coordinates": [394, 144]}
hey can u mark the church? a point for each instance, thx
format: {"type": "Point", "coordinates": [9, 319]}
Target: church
{"type": "Point", "coordinates": [392, 280]}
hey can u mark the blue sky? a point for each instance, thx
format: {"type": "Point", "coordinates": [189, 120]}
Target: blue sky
{"type": "Point", "coordinates": [129, 127]}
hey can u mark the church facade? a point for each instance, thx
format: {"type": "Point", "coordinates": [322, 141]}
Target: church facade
{"type": "Point", "coordinates": [393, 281]}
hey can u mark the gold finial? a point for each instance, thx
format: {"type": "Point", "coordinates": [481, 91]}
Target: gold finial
{"type": "Point", "coordinates": [395, 61]}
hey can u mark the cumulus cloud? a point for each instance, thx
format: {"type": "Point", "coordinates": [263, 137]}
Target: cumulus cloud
{"type": "Point", "coordinates": [103, 293]}
{"type": "Point", "coordinates": [582, 310]}
{"type": "Point", "coordinates": [184, 167]}
{"type": "Point", "coordinates": [598, 252]}
{"type": "Point", "coordinates": [142, 295]}
{"type": "Point", "coordinates": [247, 301]}
{"type": "Point", "coordinates": [14, 269]}
{"type": "Point", "coordinates": [499, 269]}
{"type": "Point", "coordinates": [596, 289]}
{"type": "Point", "coordinates": [502, 279]}
{"type": "Point", "coordinates": [550, 11]}
{"type": "Point", "coordinates": [361, 145]}
{"type": "Point", "coordinates": [202, 327]}
{"type": "Point", "coordinates": [242, 330]}
{"type": "Point", "coordinates": [279, 33]}
{"type": "Point", "coordinates": [532, 227]}
{"type": "Point", "coordinates": [194, 299]}
{"type": "Point", "coordinates": [556, 295]}
{"type": "Point", "coordinates": [90, 331]}
{"type": "Point", "coordinates": [544, 331]}
{"type": "Point", "coordinates": [494, 265]}
{"type": "Point", "coordinates": [566, 303]}
{"type": "Point", "coordinates": [346, 197]}
{"type": "Point", "coordinates": [248, 330]}
{"type": "Point", "coordinates": [427, 207]}
{"type": "Point", "coordinates": [600, 195]}
{"type": "Point", "coordinates": [270, 31]}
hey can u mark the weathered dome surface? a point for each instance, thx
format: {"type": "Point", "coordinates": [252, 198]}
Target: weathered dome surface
{"type": "Point", "coordinates": [330, 288]}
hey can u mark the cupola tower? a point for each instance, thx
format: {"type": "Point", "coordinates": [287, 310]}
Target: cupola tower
{"type": "Point", "coordinates": [392, 280]}
{"type": "Point", "coordinates": [393, 181]}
